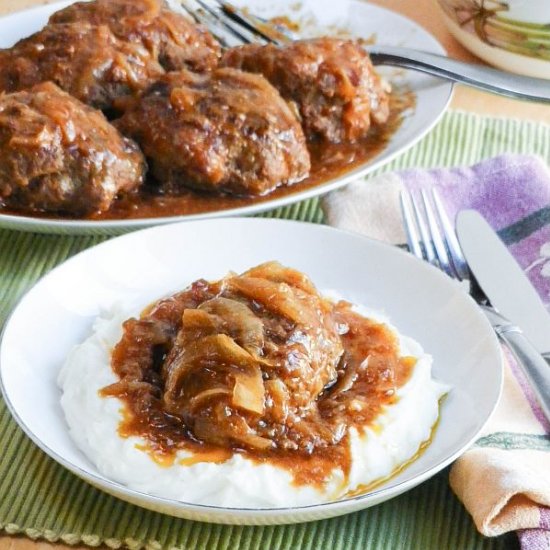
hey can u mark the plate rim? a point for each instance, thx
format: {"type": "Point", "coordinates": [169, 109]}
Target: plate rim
{"type": "Point", "coordinates": [117, 488]}
{"type": "Point", "coordinates": [23, 222]}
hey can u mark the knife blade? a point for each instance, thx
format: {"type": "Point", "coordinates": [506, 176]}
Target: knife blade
{"type": "Point", "coordinates": [490, 261]}
{"type": "Point", "coordinates": [502, 279]}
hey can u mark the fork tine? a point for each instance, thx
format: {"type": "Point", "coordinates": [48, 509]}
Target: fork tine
{"type": "Point", "coordinates": [235, 29]}
{"type": "Point", "coordinates": [457, 258]}
{"type": "Point", "coordinates": [413, 238]}
{"type": "Point", "coordinates": [436, 238]}
{"type": "Point", "coordinates": [202, 19]}
{"type": "Point", "coordinates": [425, 239]}
{"type": "Point", "coordinates": [430, 233]}
{"type": "Point", "coordinates": [189, 11]}
{"type": "Point", "coordinates": [250, 22]}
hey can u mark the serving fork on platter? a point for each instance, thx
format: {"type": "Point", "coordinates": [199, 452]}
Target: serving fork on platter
{"type": "Point", "coordinates": [233, 26]}
{"type": "Point", "coordinates": [431, 237]}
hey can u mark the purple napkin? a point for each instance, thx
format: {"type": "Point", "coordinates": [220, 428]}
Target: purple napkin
{"type": "Point", "coordinates": [512, 192]}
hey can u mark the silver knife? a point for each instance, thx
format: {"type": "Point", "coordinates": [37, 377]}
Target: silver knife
{"type": "Point", "coordinates": [516, 301]}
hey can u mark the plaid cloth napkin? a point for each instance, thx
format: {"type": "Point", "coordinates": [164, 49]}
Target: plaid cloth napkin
{"type": "Point", "coordinates": [504, 479]}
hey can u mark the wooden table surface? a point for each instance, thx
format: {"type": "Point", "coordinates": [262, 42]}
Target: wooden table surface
{"type": "Point", "coordinates": [426, 14]}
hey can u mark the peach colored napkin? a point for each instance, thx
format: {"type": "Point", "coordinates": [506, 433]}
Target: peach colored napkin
{"type": "Point", "coordinates": [504, 478]}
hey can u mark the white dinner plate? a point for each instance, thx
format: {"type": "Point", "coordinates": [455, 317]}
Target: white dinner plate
{"type": "Point", "coordinates": [143, 266]}
{"type": "Point", "coordinates": [365, 20]}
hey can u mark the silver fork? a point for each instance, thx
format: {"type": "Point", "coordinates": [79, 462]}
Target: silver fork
{"type": "Point", "coordinates": [431, 237]}
{"type": "Point", "coordinates": [233, 26]}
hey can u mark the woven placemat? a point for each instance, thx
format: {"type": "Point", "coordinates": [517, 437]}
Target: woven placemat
{"type": "Point", "coordinates": [40, 499]}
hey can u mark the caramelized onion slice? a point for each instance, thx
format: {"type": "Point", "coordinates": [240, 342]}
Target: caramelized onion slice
{"type": "Point", "coordinates": [277, 297]}
{"type": "Point", "coordinates": [348, 378]}
{"type": "Point", "coordinates": [227, 431]}
{"type": "Point", "coordinates": [249, 391]}
{"type": "Point", "coordinates": [238, 321]}
{"type": "Point", "coordinates": [257, 442]}
{"type": "Point", "coordinates": [280, 398]}
{"type": "Point", "coordinates": [207, 394]}
{"type": "Point", "coordinates": [224, 349]}
{"type": "Point", "coordinates": [214, 351]}
{"type": "Point", "coordinates": [196, 324]}
{"type": "Point", "coordinates": [277, 273]}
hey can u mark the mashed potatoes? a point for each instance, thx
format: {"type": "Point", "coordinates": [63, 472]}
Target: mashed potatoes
{"type": "Point", "coordinates": [393, 439]}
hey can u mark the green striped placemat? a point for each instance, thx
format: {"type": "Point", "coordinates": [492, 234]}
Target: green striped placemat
{"type": "Point", "coordinates": [40, 499]}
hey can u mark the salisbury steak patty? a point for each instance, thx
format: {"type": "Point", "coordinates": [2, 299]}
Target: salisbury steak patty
{"type": "Point", "coordinates": [58, 155]}
{"type": "Point", "coordinates": [170, 37]}
{"type": "Point", "coordinates": [242, 361]}
{"type": "Point", "coordinates": [226, 131]}
{"type": "Point", "coordinates": [331, 81]}
{"type": "Point", "coordinates": [87, 61]}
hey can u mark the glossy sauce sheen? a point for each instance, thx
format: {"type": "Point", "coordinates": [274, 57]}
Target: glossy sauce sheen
{"type": "Point", "coordinates": [328, 161]}
{"type": "Point", "coordinates": [354, 398]}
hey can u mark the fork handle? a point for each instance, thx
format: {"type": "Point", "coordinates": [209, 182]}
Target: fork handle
{"type": "Point", "coordinates": [534, 366]}
{"type": "Point", "coordinates": [478, 76]}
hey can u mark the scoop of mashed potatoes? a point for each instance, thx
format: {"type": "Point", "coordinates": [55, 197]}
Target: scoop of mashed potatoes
{"type": "Point", "coordinates": [393, 439]}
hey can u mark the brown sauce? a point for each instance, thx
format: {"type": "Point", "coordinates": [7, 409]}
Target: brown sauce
{"type": "Point", "coordinates": [328, 162]}
{"type": "Point", "coordinates": [369, 372]}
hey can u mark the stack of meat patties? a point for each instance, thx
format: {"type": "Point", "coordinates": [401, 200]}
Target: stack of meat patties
{"type": "Point", "coordinates": [181, 110]}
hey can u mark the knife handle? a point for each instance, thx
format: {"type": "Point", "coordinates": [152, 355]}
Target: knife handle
{"type": "Point", "coordinates": [534, 366]}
